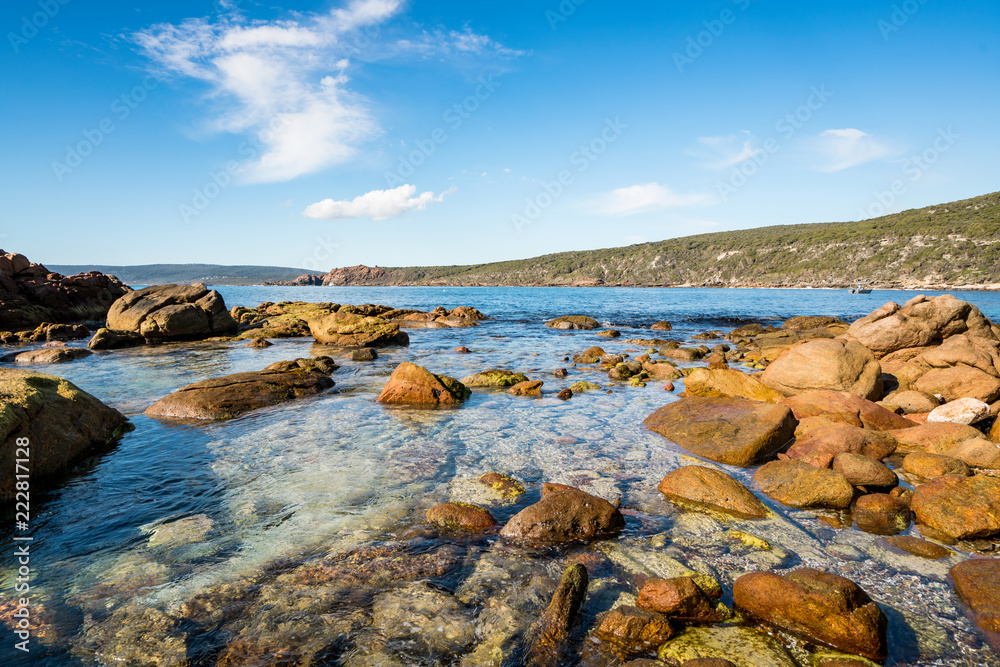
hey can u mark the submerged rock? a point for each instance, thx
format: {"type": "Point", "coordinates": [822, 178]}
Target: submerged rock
{"type": "Point", "coordinates": [362, 354]}
{"type": "Point", "coordinates": [918, 547]}
{"type": "Point", "coordinates": [734, 431]}
{"type": "Point", "coordinates": [548, 643]}
{"type": "Point", "coordinates": [415, 385]}
{"type": "Point", "coordinates": [821, 607]}
{"type": "Point", "coordinates": [506, 486]}
{"type": "Point", "coordinates": [977, 584]}
{"type": "Point", "coordinates": [228, 396]}
{"type": "Point", "coordinates": [52, 422]}
{"type": "Point", "coordinates": [743, 647]}
{"type": "Point", "coordinates": [573, 322]}
{"type": "Point", "coordinates": [712, 488]}
{"type": "Point", "coordinates": [565, 514]}
{"type": "Point", "coordinates": [172, 312]}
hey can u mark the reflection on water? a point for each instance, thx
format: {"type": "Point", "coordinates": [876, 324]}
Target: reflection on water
{"type": "Point", "coordinates": [287, 536]}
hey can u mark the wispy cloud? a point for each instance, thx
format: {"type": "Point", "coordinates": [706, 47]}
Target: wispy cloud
{"type": "Point", "coordinates": [724, 151]}
{"type": "Point", "coordinates": [286, 81]}
{"type": "Point", "coordinates": [645, 198]}
{"type": "Point", "coordinates": [377, 204]}
{"type": "Point", "coordinates": [846, 148]}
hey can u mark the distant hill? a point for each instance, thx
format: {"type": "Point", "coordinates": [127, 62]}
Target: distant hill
{"type": "Point", "coordinates": [946, 245]}
{"type": "Point", "coordinates": [211, 274]}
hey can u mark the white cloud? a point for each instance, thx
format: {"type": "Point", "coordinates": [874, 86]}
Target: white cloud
{"type": "Point", "coordinates": [724, 151]}
{"type": "Point", "coordinates": [848, 147]}
{"type": "Point", "coordinates": [377, 204]}
{"type": "Point", "coordinates": [285, 83]}
{"type": "Point", "coordinates": [454, 43]}
{"type": "Point", "coordinates": [645, 198]}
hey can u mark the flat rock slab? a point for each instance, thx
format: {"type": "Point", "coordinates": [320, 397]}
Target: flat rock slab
{"type": "Point", "coordinates": [801, 485]}
{"type": "Point", "coordinates": [228, 396]}
{"type": "Point", "coordinates": [734, 431]}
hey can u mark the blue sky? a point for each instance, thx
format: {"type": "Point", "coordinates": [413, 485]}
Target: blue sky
{"type": "Point", "coordinates": [391, 132]}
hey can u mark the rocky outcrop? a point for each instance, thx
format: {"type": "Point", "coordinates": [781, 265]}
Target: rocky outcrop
{"type": "Point", "coordinates": [573, 322]}
{"type": "Point", "coordinates": [172, 312]}
{"type": "Point", "coordinates": [920, 322]}
{"type": "Point", "coordinates": [30, 294]}
{"type": "Point", "coordinates": [53, 422]}
{"type": "Point", "coordinates": [961, 507]}
{"type": "Point", "coordinates": [734, 431]}
{"type": "Point", "coordinates": [711, 488]}
{"type": "Point", "coordinates": [823, 608]}
{"type": "Point", "coordinates": [348, 329]}
{"type": "Point", "coordinates": [835, 365]}
{"type": "Point", "coordinates": [228, 396]}
{"type": "Point", "coordinates": [415, 385]}
{"type": "Point", "coordinates": [565, 514]}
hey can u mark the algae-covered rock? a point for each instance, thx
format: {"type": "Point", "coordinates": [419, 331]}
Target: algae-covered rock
{"type": "Point", "coordinates": [495, 377]}
{"type": "Point", "coordinates": [744, 647]}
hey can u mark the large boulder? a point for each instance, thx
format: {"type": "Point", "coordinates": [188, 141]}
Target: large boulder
{"type": "Point", "coordinates": [711, 488]}
{"type": "Point", "coordinates": [172, 312]}
{"type": "Point", "coordinates": [848, 408]}
{"type": "Point", "coordinates": [818, 446]}
{"type": "Point", "coordinates": [833, 364]}
{"type": "Point", "coordinates": [734, 431]}
{"type": "Point", "coordinates": [728, 382]}
{"type": "Point", "coordinates": [956, 382]}
{"type": "Point", "coordinates": [106, 339]}
{"type": "Point", "coordinates": [824, 608]}
{"type": "Point", "coordinates": [922, 321]}
{"type": "Point", "coordinates": [573, 322]}
{"type": "Point", "coordinates": [50, 422]}
{"type": "Point", "coordinates": [961, 411]}
{"type": "Point", "coordinates": [228, 396]}
{"type": "Point", "coordinates": [801, 485]}
{"type": "Point", "coordinates": [565, 514]}
{"type": "Point", "coordinates": [415, 385]}
{"type": "Point", "coordinates": [30, 294]}
{"type": "Point", "coordinates": [977, 584]}
{"type": "Point", "coordinates": [936, 438]}
{"type": "Point", "coordinates": [961, 507]}
{"type": "Point", "coordinates": [349, 329]}
{"type": "Point", "coordinates": [679, 598]}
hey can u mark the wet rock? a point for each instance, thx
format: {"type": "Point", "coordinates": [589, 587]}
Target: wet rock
{"type": "Point", "coordinates": [977, 584]}
{"type": "Point", "coordinates": [415, 385]}
{"type": "Point", "coordinates": [932, 466]}
{"type": "Point", "coordinates": [832, 659]}
{"type": "Point", "coordinates": [548, 644]}
{"type": "Point", "coordinates": [565, 395]}
{"type": "Point", "coordinates": [495, 377]}
{"type": "Point", "coordinates": [565, 514]}
{"type": "Point", "coordinates": [961, 411]}
{"type": "Point", "coordinates": [610, 333]}
{"type": "Point", "coordinates": [106, 339]}
{"type": "Point", "coordinates": [881, 514]}
{"type": "Point", "coordinates": [560, 372]}
{"type": "Point", "coordinates": [820, 445]}
{"type": "Point", "coordinates": [728, 383]}
{"type": "Point", "coordinates": [592, 355]}
{"type": "Point", "coordinates": [746, 331]}
{"type": "Point", "coordinates": [912, 401]}
{"type": "Point", "coordinates": [506, 486]}
{"type": "Point", "coordinates": [918, 547]}
{"type": "Point", "coordinates": [532, 388]}
{"type": "Point", "coordinates": [171, 534]}
{"type": "Point", "coordinates": [847, 408]}
{"type": "Point", "coordinates": [708, 662]}
{"type": "Point", "coordinates": [938, 438]}
{"type": "Point", "coordinates": [633, 630]}
{"type": "Point", "coordinates": [679, 598]}
{"type": "Point", "coordinates": [826, 364]}
{"type": "Point", "coordinates": [711, 488]}
{"type": "Point", "coordinates": [134, 634]}
{"type": "Point", "coordinates": [824, 608]}
{"type": "Point", "coordinates": [461, 515]}
{"type": "Point", "coordinates": [172, 312]}
{"type": "Point", "coordinates": [958, 382]}
{"type": "Point", "coordinates": [259, 343]}
{"type": "Point", "coordinates": [978, 453]}
{"type": "Point", "coordinates": [288, 319]}
{"type": "Point", "coordinates": [228, 396]}
{"type": "Point", "coordinates": [862, 470]}
{"type": "Point", "coordinates": [733, 431]}
{"type": "Point", "coordinates": [362, 354]}
{"type": "Point", "coordinates": [801, 485]}
{"type": "Point", "coordinates": [811, 322]}
{"type": "Point", "coordinates": [424, 615]}
{"type": "Point", "coordinates": [350, 329]}
{"type": "Point", "coordinates": [921, 321]}
{"type": "Point", "coordinates": [960, 507]}
{"type": "Point", "coordinates": [682, 354]}
{"type": "Point", "coordinates": [462, 350]}
{"type": "Point", "coordinates": [58, 421]}
{"type": "Point", "coordinates": [662, 325]}
{"type": "Point", "coordinates": [573, 322]}
{"type": "Point", "coordinates": [583, 386]}
{"type": "Point", "coordinates": [49, 355]}
{"type": "Point", "coordinates": [743, 647]}
{"type": "Point", "coordinates": [661, 370]}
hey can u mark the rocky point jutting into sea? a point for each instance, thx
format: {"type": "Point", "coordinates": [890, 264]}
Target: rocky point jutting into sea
{"type": "Point", "coordinates": [508, 476]}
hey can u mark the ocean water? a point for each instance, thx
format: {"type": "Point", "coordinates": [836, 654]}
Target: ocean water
{"type": "Point", "coordinates": [135, 537]}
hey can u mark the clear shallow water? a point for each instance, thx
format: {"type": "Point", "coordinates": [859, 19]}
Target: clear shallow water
{"type": "Point", "coordinates": [323, 475]}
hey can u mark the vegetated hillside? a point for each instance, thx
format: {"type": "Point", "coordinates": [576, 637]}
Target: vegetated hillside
{"type": "Point", "coordinates": [948, 244]}
{"type": "Point", "coordinates": [212, 274]}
